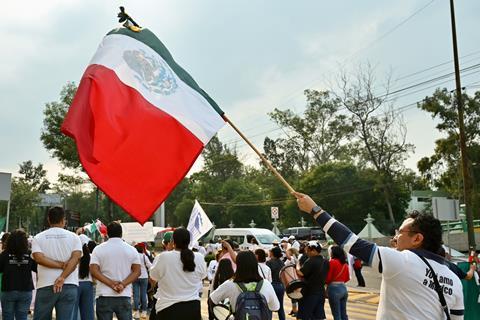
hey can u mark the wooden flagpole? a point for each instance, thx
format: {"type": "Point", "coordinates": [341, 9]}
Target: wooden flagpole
{"type": "Point", "coordinates": [265, 161]}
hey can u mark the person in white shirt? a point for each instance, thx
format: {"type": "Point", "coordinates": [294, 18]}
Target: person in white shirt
{"type": "Point", "coordinates": [198, 247]}
{"type": "Point", "coordinates": [414, 276]}
{"type": "Point", "coordinates": [179, 273]}
{"type": "Point", "coordinates": [223, 273]}
{"type": "Point", "coordinates": [115, 264]}
{"type": "Point", "coordinates": [246, 274]}
{"type": "Point", "coordinates": [86, 297]}
{"type": "Point", "coordinates": [212, 266]}
{"type": "Point", "coordinates": [140, 299]}
{"type": "Point", "coordinates": [263, 270]}
{"type": "Point", "coordinates": [57, 252]}
{"type": "Point", "coordinates": [294, 243]}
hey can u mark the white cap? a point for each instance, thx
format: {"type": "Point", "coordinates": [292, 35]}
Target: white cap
{"type": "Point", "coordinates": [292, 237]}
{"type": "Point", "coordinates": [314, 244]}
{"type": "Point", "coordinates": [284, 239]}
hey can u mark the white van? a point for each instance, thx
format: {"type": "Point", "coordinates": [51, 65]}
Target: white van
{"type": "Point", "coordinates": [243, 236]}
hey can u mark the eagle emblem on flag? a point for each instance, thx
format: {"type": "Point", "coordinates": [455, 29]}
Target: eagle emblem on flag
{"type": "Point", "coordinates": [152, 73]}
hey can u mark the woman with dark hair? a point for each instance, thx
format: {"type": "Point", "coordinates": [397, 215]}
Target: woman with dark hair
{"type": "Point", "coordinates": [263, 269]}
{"type": "Point", "coordinates": [179, 274]}
{"type": "Point", "coordinates": [276, 264]}
{"type": "Point", "coordinates": [246, 275]}
{"type": "Point", "coordinates": [338, 274]}
{"type": "Point", "coordinates": [17, 284]}
{"type": "Point", "coordinates": [85, 297]}
{"type": "Point", "coordinates": [224, 272]}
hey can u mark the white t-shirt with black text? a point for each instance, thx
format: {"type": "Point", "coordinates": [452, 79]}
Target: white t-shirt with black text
{"type": "Point", "coordinates": [56, 244]}
{"type": "Point", "coordinates": [407, 289]}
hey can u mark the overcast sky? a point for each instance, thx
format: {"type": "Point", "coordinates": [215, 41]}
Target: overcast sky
{"type": "Point", "coordinates": [250, 56]}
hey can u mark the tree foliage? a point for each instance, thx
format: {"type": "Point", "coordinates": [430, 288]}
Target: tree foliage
{"type": "Point", "coordinates": [34, 176]}
{"type": "Point", "coordinates": [59, 145]}
{"type": "Point", "coordinates": [321, 135]}
{"type": "Point", "coordinates": [24, 200]}
{"type": "Point", "coordinates": [379, 129]}
{"type": "Point", "coordinates": [443, 169]}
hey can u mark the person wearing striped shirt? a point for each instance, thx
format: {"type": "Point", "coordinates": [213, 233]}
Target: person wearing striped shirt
{"type": "Point", "coordinates": [408, 287]}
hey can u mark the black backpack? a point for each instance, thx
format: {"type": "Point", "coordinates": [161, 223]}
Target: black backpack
{"type": "Point", "coordinates": [252, 305]}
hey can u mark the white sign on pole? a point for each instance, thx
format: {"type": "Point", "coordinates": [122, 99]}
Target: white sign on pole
{"type": "Point", "coordinates": [134, 232]}
{"type": "Point", "coordinates": [50, 200]}
{"type": "Point", "coordinates": [274, 212]}
{"type": "Point", "coordinates": [5, 185]}
{"type": "Point", "coordinates": [445, 209]}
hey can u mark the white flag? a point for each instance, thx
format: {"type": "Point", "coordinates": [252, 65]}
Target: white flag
{"type": "Point", "coordinates": [199, 223]}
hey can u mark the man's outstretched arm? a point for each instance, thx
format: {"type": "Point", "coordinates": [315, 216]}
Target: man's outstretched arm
{"type": "Point", "coordinates": [349, 241]}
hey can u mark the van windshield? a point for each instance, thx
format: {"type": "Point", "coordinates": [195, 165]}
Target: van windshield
{"type": "Point", "coordinates": [267, 238]}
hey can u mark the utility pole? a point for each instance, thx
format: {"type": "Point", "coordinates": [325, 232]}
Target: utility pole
{"type": "Point", "coordinates": [467, 182]}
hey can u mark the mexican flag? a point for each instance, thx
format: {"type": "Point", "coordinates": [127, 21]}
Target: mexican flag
{"type": "Point", "coordinates": [139, 121]}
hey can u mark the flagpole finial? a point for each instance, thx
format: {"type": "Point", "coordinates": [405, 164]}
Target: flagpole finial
{"type": "Point", "coordinates": [128, 22]}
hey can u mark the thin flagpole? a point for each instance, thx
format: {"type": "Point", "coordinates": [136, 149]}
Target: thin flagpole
{"type": "Point", "coordinates": [265, 161]}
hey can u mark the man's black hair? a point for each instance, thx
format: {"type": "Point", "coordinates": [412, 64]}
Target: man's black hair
{"type": "Point", "coordinates": [56, 215]}
{"type": "Point", "coordinates": [430, 228]}
{"type": "Point", "coordinates": [114, 230]}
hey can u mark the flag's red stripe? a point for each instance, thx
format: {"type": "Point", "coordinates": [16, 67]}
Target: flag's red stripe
{"type": "Point", "coordinates": [133, 151]}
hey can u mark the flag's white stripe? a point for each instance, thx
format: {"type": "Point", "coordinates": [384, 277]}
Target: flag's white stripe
{"type": "Point", "coordinates": [185, 104]}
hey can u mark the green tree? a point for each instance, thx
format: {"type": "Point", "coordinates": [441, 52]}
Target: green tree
{"type": "Point", "coordinates": [24, 200]}
{"type": "Point", "coordinates": [321, 135]}
{"type": "Point", "coordinates": [34, 176]}
{"type": "Point", "coordinates": [443, 169]}
{"type": "Point", "coordinates": [59, 145]}
{"type": "Point", "coordinates": [381, 132]}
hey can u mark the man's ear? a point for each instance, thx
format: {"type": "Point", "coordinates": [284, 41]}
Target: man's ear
{"type": "Point", "coordinates": [418, 239]}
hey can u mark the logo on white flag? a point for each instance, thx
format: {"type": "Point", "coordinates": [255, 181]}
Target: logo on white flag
{"type": "Point", "coordinates": [199, 223]}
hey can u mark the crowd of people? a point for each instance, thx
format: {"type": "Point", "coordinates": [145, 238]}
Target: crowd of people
{"type": "Point", "coordinates": [74, 277]}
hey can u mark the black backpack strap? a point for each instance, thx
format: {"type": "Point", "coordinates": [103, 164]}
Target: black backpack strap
{"type": "Point", "coordinates": [438, 288]}
{"type": "Point", "coordinates": [242, 287]}
{"type": "Point", "coordinates": [259, 286]}
{"type": "Point", "coordinates": [263, 274]}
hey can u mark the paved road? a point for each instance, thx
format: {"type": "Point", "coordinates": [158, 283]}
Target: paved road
{"type": "Point", "coordinates": [362, 302]}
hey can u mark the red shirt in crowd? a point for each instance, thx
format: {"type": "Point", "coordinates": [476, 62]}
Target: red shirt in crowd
{"type": "Point", "coordinates": [337, 272]}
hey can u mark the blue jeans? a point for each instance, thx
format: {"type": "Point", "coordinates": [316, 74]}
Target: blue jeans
{"type": "Point", "coordinates": [312, 307]}
{"type": "Point", "coordinates": [140, 301]}
{"type": "Point", "coordinates": [107, 306]}
{"type": "Point", "coordinates": [279, 291]}
{"type": "Point", "coordinates": [337, 298]}
{"type": "Point", "coordinates": [16, 304]}
{"type": "Point", "coordinates": [85, 301]}
{"type": "Point", "coordinates": [63, 302]}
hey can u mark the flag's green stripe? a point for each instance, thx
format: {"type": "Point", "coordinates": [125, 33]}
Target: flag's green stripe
{"type": "Point", "coordinates": [149, 39]}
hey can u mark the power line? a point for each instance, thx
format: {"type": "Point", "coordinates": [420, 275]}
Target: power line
{"type": "Point", "coordinates": [383, 36]}
{"type": "Point", "coordinates": [280, 201]}
{"type": "Point", "coordinates": [423, 83]}
{"type": "Point", "coordinates": [234, 140]}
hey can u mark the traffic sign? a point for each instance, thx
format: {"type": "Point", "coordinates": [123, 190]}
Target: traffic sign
{"type": "Point", "coordinates": [274, 212]}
